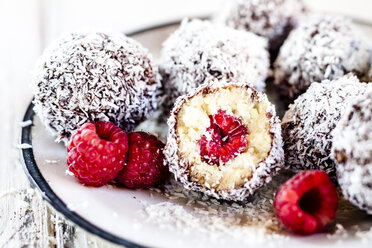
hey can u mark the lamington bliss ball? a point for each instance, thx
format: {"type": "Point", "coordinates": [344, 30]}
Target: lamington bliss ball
{"type": "Point", "coordinates": [308, 123]}
{"type": "Point", "coordinates": [95, 76]}
{"type": "Point", "coordinates": [200, 51]}
{"type": "Point", "coordinates": [352, 151]}
{"type": "Point", "coordinates": [322, 47]}
{"type": "Point", "coordinates": [273, 19]}
{"type": "Point", "coordinates": [224, 140]}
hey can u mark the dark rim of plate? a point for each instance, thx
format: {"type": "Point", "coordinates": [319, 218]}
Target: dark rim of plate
{"type": "Point", "coordinates": [38, 181]}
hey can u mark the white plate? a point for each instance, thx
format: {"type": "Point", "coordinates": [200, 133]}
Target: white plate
{"type": "Point", "coordinates": [137, 218]}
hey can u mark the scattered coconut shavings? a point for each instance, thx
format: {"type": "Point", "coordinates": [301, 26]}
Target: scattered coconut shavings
{"type": "Point", "coordinates": [69, 173]}
{"type": "Point", "coordinates": [308, 123]}
{"type": "Point", "coordinates": [366, 236]}
{"type": "Point", "coordinates": [24, 146]}
{"type": "Point", "coordinates": [25, 123]}
{"type": "Point", "coordinates": [51, 161]}
{"type": "Point", "coordinates": [339, 233]}
{"type": "Point", "coordinates": [252, 221]}
{"type": "Point", "coordinates": [77, 206]}
{"type": "Point", "coordinates": [200, 51]}
{"type": "Point", "coordinates": [322, 47]}
{"type": "Point", "coordinates": [249, 222]}
{"type": "Point", "coordinates": [95, 76]}
{"type": "Point", "coordinates": [352, 150]}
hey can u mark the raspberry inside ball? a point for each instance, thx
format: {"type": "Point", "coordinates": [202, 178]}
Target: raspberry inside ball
{"type": "Point", "coordinates": [225, 139]}
{"type": "Point", "coordinates": [306, 203]}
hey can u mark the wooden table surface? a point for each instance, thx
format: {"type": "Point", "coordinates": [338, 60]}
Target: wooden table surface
{"type": "Point", "coordinates": [26, 28]}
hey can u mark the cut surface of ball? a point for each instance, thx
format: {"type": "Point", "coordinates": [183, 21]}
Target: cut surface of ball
{"type": "Point", "coordinates": [352, 152]}
{"type": "Point", "coordinates": [224, 140]}
{"type": "Point", "coordinates": [94, 76]}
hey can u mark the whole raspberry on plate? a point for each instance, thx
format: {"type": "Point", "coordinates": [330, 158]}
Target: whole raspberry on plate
{"type": "Point", "coordinates": [145, 167]}
{"type": "Point", "coordinates": [97, 152]}
{"type": "Point", "coordinates": [307, 202]}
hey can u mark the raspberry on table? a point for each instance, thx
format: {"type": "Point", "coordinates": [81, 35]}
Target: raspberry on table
{"type": "Point", "coordinates": [97, 152]}
{"type": "Point", "coordinates": [227, 139]}
{"type": "Point", "coordinates": [307, 202]}
{"type": "Point", "coordinates": [145, 167]}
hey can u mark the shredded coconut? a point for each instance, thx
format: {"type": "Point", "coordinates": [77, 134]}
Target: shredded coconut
{"type": "Point", "coordinates": [249, 222]}
{"type": "Point", "coordinates": [352, 150]}
{"type": "Point", "coordinates": [26, 123]}
{"type": "Point", "coordinates": [322, 47]}
{"type": "Point", "coordinates": [24, 146]}
{"type": "Point", "coordinates": [94, 76]}
{"type": "Point", "coordinates": [200, 51]}
{"type": "Point", "coordinates": [272, 19]}
{"type": "Point", "coordinates": [308, 123]}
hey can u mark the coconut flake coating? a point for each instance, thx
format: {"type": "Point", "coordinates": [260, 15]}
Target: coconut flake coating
{"type": "Point", "coordinates": [308, 123]}
{"type": "Point", "coordinates": [200, 51]}
{"type": "Point", "coordinates": [322, 47]}
{"type": "Point", "coordinates": [94, 76]}
{"type": "Point", "coordinates": [264, 170]}
{"type": "Point", "coordinates": [352, 151]}
{"type": "Point", "coordinates": [273, 19]}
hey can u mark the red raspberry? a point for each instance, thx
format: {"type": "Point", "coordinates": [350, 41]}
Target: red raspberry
{"type": "Point", "coordinates": [307, 202]}
{"type": "Point", "coordinates": [145, 167]}
{"type": "Point", "coordinates": [97, 152]}
{"type": "Point", "coordinates": [227, 139]}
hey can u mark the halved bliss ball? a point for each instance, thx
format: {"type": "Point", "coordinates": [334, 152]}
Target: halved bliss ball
{"type": "Point", "coordinates": [224, 140]}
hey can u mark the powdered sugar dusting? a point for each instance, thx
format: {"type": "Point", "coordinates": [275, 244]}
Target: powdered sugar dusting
{"type": "Point", "coordinates": [94, 76]}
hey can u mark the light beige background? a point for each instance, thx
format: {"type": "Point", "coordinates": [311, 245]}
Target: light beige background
{"type": "Point", "coordinates": [26, 28]}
